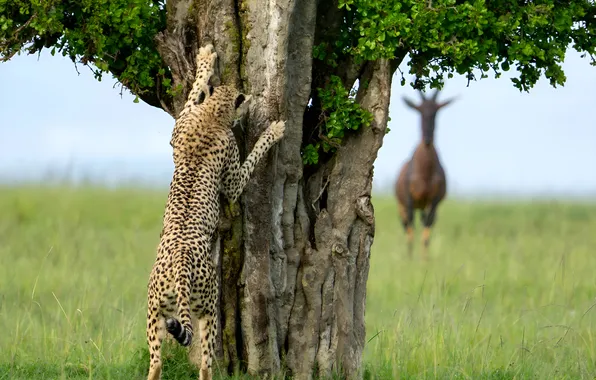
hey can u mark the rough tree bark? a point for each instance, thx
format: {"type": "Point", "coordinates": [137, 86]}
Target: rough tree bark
{"type": "Point", "coordinates": [294, 256]}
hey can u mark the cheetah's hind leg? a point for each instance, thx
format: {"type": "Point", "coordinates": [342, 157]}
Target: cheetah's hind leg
{"type": "Point", "coordinates": [201, 350]}
{"type": "Point", "coordinates": [155, 336]}
{"type": "Point", "coordinates": [207, 331]}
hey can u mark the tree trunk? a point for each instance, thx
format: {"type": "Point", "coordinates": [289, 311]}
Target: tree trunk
{"type": "Point", "coordinates": [294, 255]}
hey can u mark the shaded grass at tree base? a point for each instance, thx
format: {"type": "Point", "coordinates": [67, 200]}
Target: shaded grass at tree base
{"type": "Point", "coordinates": [175, 366]}
{"type": "Point", "coordinates": [508, 292]}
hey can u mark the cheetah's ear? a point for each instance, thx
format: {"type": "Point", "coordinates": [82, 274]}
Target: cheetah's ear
{"type": "Point", "coordinates": [242, 104]}
{"type": "Point", "coordinates": [239, 100]}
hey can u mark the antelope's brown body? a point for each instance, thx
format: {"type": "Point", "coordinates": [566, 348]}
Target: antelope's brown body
{"type": "Point", "coordinates": [421, 184]}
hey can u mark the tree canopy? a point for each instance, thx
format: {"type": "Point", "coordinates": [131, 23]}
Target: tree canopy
{"type": "Point", "coordinates": [447, 36]}
{"type": "Point", "coordinates": [442, 37]}
{"type": "Point", "coordinates": [116, 36]}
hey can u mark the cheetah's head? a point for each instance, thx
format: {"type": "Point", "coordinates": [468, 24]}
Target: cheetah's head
{"type": "Point", "coordinates": [229, 103]}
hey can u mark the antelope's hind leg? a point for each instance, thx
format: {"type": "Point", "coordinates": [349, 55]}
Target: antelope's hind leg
{"type": "Point", "coordinates": [425, 233]}
{"type": "Point", "coordinates": [428, 220]}
{"type": "Point", "coordinates": [406, 214]}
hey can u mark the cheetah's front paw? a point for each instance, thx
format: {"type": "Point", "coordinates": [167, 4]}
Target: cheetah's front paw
{"type": "Point", "coordinates": [205, 58]}
{"type": "Point", "coordinates": [205, 50]}
{"type": "Point", "coordinates": [277, 129]}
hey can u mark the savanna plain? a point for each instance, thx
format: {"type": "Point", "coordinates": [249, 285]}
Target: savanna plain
{"type": "Point", "coordinates": [509, 291]}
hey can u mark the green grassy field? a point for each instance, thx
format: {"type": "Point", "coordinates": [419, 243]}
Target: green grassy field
{"type": "Point", "coordinates": [508, 292]}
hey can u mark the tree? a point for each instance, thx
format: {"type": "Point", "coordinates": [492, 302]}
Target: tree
{"type": "Point", "coordinates": [294, 256]}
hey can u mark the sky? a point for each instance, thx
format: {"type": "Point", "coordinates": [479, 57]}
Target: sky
{"type": "Point", "coordinates": [493, 140]}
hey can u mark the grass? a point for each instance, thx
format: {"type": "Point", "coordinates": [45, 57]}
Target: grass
{"type": "Point", "coordinates": [508, 293]}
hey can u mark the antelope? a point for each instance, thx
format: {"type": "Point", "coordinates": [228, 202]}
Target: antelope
{"type": "Point", "coordinates": [421, 184]}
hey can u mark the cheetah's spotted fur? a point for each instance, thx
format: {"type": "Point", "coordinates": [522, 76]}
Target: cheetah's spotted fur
{"type": "Point", "coordinates": [183, 287]}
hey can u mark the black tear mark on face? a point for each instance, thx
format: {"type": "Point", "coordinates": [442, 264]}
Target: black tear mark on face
{"type": "Point", "coordinates": [239, 100]}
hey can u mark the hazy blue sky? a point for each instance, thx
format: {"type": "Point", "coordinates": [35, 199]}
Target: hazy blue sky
{"type": "Point", "coordinates": [493, 139]}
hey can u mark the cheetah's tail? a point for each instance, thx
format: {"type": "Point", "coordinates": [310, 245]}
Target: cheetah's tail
{"type": "Point", "coordinates": [181, 327]}
{"type": "Point", "coordinates": [181, 334]}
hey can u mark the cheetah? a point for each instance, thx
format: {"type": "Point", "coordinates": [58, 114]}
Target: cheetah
{"type": "Point", "coordinates": [183, 287]}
